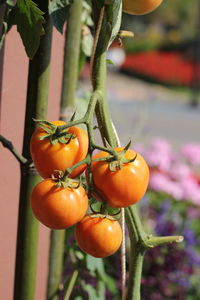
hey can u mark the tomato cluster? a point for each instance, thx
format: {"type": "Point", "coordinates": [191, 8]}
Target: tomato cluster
{"type": "Point", "coordinates": [60, 201]}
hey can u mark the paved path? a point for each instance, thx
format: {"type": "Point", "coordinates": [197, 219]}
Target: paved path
{"type": "Point", "coordinates": [141, 111]}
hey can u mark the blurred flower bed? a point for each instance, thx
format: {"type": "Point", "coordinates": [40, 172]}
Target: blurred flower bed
{"type": "Point", "coordinates": [163, 66]}
{"type": "Point", "coordinates": [172, 207]}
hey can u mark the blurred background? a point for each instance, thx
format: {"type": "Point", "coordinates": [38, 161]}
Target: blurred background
{"type": "Point", "coordinates": [153, 92]}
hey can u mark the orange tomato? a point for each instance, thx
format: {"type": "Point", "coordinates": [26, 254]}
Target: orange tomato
{"type": "Point", "coordinates": [125, 186]}
{"type": "Point", "coordinates": [48, 157]}
{"type": "Point", "coordinates": [58, 207]}
{"type": "Point", "coordinates": [140, 7]}
{"type": "Point", "coordinates": [97, 236]}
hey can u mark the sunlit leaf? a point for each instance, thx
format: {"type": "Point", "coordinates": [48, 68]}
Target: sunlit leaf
{"type": "Point", "coordinates": [58, 9]}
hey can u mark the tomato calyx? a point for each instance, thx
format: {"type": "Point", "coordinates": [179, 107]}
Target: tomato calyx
{"type": "Point", "coordinates": [105, 211]}
{"type": "Point", "coordinates": [62, 181]}
{"type": "Point", "coordinates": [102, 216]}
{"type": "Point", "coordinates": [55, 134]}
{"type": "Point", "coordinates": [119, 159]}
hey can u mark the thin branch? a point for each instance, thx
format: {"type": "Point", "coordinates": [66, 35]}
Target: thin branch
{"type": "Point", "coordinates": [8, 144]}
{"type": "Point", "coordinates": [159, 240]}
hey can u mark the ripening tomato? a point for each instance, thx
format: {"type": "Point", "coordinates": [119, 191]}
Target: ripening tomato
{"type": "Point", "coordinates": [140, 7]}
{"type": "Point", "coordinates": [58, 207]}
{"type": "Point", "coordinates": [48, 157]}
{"type": "Point", "coordinates": [98, 236]}
{"type": "Point", "coordinates": [125, 186]}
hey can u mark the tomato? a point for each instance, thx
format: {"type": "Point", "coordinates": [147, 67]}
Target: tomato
{"type": "Point", "coordinates": [140, 7]}
{"type": "Point", "coordinates": [58, 207]}
{"type": "Point", "coordinates": [125, 186]}
{"type": "Point", "coordinates": [48, 157]}
{"type": "Point", "coordinates": [97, 236]}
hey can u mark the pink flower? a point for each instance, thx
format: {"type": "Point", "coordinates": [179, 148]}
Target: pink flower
{"type": "Point", "coordinates": [179, 171]}
{"type": "Point", "coordinates": [191, 152]}
{"type": "Point", "coordinates": [162, 183]}
{"type": "Point", "coordinates": [191, 189]}
{"type": "Point", "coordinates": [159, 154]}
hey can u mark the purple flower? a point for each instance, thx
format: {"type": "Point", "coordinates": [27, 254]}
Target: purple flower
{"type": "Point", "coordinates": [189, 237]}
{"type": "Point", "coordinates": [193, 256]}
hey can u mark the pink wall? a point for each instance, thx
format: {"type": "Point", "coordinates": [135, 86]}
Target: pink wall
{"type": "Point", "coordinates": [12, 120]}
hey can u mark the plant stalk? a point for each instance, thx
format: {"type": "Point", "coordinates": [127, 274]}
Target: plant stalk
{"type": "Point", "coordinates": [71, 285]}
{"type": "Point", "coordinates": [135, 272]}
{"type": "Point", "coordinates": [108, 132]}
{"type": "Point", "coordinates": [56, 253]}
{"type": "Point", "coordinates": [71, 60]}
{"type": "Point", "coordinates": [69, 85]}
{"type": "Point", "coordinates": [36, 107]}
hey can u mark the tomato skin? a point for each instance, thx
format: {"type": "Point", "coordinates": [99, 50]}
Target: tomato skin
{"type": "Point", "coordinates": [99, 237]}
{"type": "Point", "coordinates": [57, 207]}
{"type": "Point", "coordinates": [48, 157]}
{"type": "Point", "coordinates": [124, 186]}
{"type": "Point", "coordinates": [140, 7]}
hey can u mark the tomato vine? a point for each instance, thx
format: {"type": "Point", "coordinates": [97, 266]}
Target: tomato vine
{"type": "Point", "coordinates": [107, 19]}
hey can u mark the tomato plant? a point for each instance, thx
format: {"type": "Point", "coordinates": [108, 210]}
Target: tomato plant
{"type": "Point", "coordinates": [140, 7]}
{"type": "Point", "coordinates": [48, 156]}
{"type": "Point", "coordinates": [98, 236]}
{"type": "Point", "coordinates": [58, 207]}
{"type": "Point", "coordinates": [124, 186]}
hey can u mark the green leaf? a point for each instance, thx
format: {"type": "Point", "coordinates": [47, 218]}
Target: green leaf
{"type": "Point", "coordinates": [87, 44]}
{"type": "Point", "coordinates": [111, 284]}
{"type": "Point", "coordinates": [58, 9]}
{"type": "Point", "coordinates": [86, 14]}
{"type": "Point", "coordinates": [109, 61]}
{"type": "Point", "coordinates": [29, 20]}
{"type": "Point", "coordinates": [95, 265]}
{"type": "Point", "coordinates": [98, 294]}
{"type": "Point", "coordinates": [115, 16]}
{"type": "Point", "coordinates": [111, 22]}
{"type": "Point", "coordinates": [6, 10]}
{"type": "Point", "coordinates": [11, 3]}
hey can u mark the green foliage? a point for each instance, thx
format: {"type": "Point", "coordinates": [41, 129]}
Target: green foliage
{"type": "Point", "coordinates": [94, 293]}
{"type": "Point", "coordinates": [9, 4]}
{"type": "Point", "coordinates": [58, 9]}
{"type": "Point", "coordinates": [111, 23]}
{"type": "Point", "coordinates": [86, 44]}
{"type": "Point", "coordinates": [29, 20]}
{"type": "Point", "coordinates": [87, 38]}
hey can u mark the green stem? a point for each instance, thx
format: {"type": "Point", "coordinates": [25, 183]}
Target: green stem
{"type": "Point", "coordinates": [136, 255]}
{"type": "Point", "coordinates": [8, 144]}
{"type": "Point", "coordinates": [102, 110]}
{"type": "Point", "coordinates": [71, 284]}
{"type": "Point", "coordinates": [132, 216]}
{"type": "Point", "coordinates": [136, 258]}
{"type": "Point", "coordinates": [71, 59]}
{"type": "Point", "coordinates": [55, 263]}
{"type": "Point", "coordinates": [136, 232]}
{"type": "Point", "coordinates": [159, 240]}
{"type": "Point", "coordinates": [69, 85]}
{"type": "Point", "coordinates": [36, 106]}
